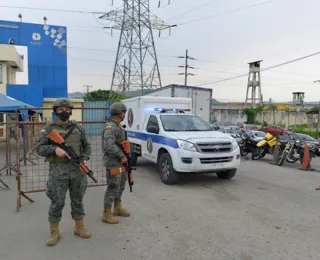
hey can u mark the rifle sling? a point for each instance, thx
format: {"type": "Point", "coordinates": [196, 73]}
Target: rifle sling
{"type": "Point", "coordinates": [69, 132]}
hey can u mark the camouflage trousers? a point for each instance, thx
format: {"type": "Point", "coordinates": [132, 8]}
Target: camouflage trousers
{"type": "Point", "coordinates": [115, 187]}
{"type": "Point", "coordinates": [56, 191]}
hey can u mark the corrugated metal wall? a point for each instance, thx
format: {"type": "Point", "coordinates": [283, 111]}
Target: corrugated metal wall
{"type": "Point", "coordinates": [95, 115]}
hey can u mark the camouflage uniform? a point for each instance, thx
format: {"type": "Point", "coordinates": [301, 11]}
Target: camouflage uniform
{"type": "Point", "coordinates": [113, 135]}
{"type": "Point", "coordinates": [64, 175]}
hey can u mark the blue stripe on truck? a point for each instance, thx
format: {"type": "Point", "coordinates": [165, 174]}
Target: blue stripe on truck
{"type": "Point", "coordinates": [155, 139]}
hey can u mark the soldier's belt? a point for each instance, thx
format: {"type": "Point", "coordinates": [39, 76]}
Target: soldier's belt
{"type": "Point", "coordinates": [117, 171]}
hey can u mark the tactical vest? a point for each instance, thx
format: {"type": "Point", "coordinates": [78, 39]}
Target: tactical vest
{"type": "Point", "coordinates": [119, 139]}
{"type": "Point", "coordinates": [73, 140]}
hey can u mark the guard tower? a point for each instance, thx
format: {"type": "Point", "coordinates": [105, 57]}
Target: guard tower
{"type": "Point", "coordinates": [254, 85]}
{"type": "Point", "coordinates": [298, 100]}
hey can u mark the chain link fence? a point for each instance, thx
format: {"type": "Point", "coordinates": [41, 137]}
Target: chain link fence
{"type": "Point", "coordinates": [33, 170]}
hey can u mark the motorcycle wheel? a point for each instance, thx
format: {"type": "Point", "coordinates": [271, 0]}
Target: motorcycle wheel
{"type": "Point", "coordinates": [290, 160]}
{"type": "Point", "coordinates": [257, 153]}
{"type": "Point", "coordinates": [244, 151]}
{"type": "Point", "coordinates": [283, 157]}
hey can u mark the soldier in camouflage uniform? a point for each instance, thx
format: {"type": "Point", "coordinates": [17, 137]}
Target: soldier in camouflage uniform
{"type": "Point", "coordinates": [64, 175]}
{"type": "Point", "coordinates": [114, 159]}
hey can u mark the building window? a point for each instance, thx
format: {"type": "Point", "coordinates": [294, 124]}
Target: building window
{"type": "Point", "coordinates": [0, 73]}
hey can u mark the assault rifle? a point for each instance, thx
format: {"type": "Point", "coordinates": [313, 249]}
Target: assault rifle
{"type": "Point", "coordinates": [126, 150]}
{"type": "Point", "coordinates": [58, 139]}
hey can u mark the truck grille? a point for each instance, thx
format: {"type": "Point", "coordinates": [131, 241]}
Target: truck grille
{"type": "Point", "coordinates": [215, 160]}
{"type": "Point", "coordinates": [215, 147]}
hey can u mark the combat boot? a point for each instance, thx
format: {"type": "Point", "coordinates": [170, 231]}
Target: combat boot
{"type": "Point", "coordinates": [54, 234]}
{"type": "Point", "coordinates": [119, 211]}
{"type": "Point", "coordinates": [108, 217]}
{"type": "Point", "coordinates": [80, 230]}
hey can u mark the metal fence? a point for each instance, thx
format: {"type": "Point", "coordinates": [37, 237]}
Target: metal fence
{"type": "Point", "coordinates": [33, 171]}
{"type": "Point", "coordinates": [90, 114]}
{"type": "Point", "coordinates": [7, 145]}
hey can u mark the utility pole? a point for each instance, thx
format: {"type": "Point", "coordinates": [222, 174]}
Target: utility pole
{"type": "Point", "coordinates": [186, 67]}
{"type": "Point", "coordinates": [87, 87]}
{"type": "Point", "coordinates": [136, 44]}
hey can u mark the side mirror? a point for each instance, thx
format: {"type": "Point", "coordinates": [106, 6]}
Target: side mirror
{"type": "Point", "coordinates": [153, 129]}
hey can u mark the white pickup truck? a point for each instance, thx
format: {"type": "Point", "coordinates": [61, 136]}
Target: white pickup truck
{"type": "Point", "coordinates": [164, 131]}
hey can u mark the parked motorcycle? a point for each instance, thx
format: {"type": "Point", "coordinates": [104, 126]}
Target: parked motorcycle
{"type": "Point", "coordinates": [247, 144]}
{"type": "Point", "coordinates": [294, 151]}
{"type": "Point", "coordinates": [267, 146]}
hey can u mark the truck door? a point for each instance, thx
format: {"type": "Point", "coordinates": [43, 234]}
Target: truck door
{"type": "Point", "coordinates": [150, 144]}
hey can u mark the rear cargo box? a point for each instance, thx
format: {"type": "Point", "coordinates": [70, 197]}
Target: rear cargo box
{"type": "Point", "coordinates": [139, 107]}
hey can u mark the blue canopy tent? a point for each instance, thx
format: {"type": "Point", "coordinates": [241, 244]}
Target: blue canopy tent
{"type": "Point", "coordinates": [9, 104]}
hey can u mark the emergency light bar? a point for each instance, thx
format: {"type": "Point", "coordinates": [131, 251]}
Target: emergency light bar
{"type": "Point", "coordinates": [172, 110]}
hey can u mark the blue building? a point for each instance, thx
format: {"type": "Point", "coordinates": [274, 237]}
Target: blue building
{"type": "Point", "coordinates": [47, 60]}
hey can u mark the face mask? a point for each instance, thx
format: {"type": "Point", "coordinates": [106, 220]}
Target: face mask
{"type": "Point", "coordinates": [64, 115]}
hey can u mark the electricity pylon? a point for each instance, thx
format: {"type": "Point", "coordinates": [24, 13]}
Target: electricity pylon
{"type": "Point", "coordinates": [136, 46]}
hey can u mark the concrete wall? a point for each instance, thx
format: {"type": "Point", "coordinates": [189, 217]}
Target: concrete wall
{"type": "Point", "coordinates": [3, 83]}
{"type": "Point", "coordinates": [9, 54]}
{"type": "Point", "coordinates": [76, 113]}
{"type": "Point", "coordinates": [228, 115]}
{"type": "Point", "coordinates": [11, 62]}
{"type": "Point", "coordinates": [286, 118]}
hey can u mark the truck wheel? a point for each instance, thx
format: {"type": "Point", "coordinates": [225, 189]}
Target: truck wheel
{"type": "Point", "coordinates": [227, 174]}
{"type": "Point", "coordinates": [167, 174]}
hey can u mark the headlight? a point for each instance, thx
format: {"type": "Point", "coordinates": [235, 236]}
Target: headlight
{"type": "Point", "coordinates": [186, 146]}
{"type": "Point", "coordinates": [234, 144]}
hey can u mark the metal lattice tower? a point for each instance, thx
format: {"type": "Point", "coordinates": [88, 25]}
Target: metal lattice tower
{"type": "Point", "coordinates": [254, 84]}
{"type": "Point", "coordinates": [136, 66]}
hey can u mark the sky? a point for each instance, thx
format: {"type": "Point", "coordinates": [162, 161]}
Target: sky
{"type": "Point", "coordinates": [223, 43]}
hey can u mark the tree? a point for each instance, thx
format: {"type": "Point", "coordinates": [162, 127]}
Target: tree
{"type": "Point", "coordinates": [103, 95]}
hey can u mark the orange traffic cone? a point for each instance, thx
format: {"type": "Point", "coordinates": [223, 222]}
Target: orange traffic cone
{"type": "Point", "coordinates": [306, 159]}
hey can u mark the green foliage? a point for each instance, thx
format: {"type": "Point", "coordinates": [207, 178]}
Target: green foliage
{"type": "Point", "coordinates": [315, 108]}
{"type": "Point", "coordinates": [103, 95]}
{"type": "Point", "coordinates": [272, 107]}
{"type": "Point", "coordinates": [303, 129]}
{"type": "Point", "coordinates": [281, 124]}
{"type": "Point", "coordinates": [251, 113]}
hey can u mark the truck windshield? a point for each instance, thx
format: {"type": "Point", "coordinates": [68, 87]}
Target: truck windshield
{"type": "Point", "coordinates": [182, 123]}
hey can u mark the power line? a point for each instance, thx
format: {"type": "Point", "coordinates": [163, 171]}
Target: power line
{"type": "Point", "coordinates": [268, 68]}
{"type": "Point", "coordinates": [228, 12]}
{"type": "Point", "coordinates": [201, 69]}
{"type": "Point", "coordinates": [218, 71]}
{"type": "Point", "coordinates": [236, 74]}
{"type": "Point", "coordinates": [194, 9]}
{"type": "Point", "coordinates": [51, 9]}
{"type": "Point", "coordinates": [291, 61]}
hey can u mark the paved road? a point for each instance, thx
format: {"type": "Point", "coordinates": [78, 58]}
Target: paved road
{"type": "Point", "coordinates": [266, 212]}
